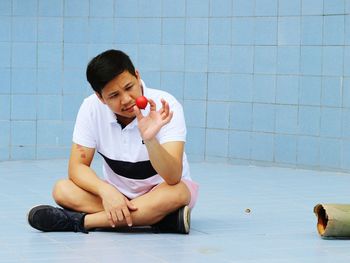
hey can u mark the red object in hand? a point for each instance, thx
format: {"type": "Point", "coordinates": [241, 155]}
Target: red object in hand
{"type": "Point", "coordinates": [141, 102]}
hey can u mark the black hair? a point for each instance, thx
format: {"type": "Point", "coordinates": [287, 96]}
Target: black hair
{"type": "Point", "coordinates": [106, 66]}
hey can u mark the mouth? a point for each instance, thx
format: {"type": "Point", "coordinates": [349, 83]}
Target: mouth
{"type": "Point", "coordinates": [129, 108]}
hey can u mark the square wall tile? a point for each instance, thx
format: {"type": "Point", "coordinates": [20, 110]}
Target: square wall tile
{"type": "Point", "coordinates": [6, 7]}
{"type": "Point", "coordinates": [264, 117]}
{"type": "Point", "coordinates": [70, 106]}
{"type": "Point", "coordinates": [49, 133]}
{"type": "Point", "coordinates": [75, 56]}
{"type": "Point", "coordinates": [50, 7]}
{"type": "Point", "coordinates": [239, 145]}
{"type": "Point", "coordinates": [217, 147]}
{"type": "Point", "coordinates": [173, 58]}
{"type": "Point", "coordinates": [332, 91]}
{"type": "Point", "coordinates": [172, 82]}
{"type": "Point", "coordinates": [287, 89]}
{"type": "Point", "coordinates": [77, 8]}
{"type": "Point", "coordinates": [242, 87]}
{"type": "Point", "coordinates": [220, 31]}
{"type": "Point", "coordinates": [150, 8]}
{"type": "Point", "coordinates": [345, 162]}
{"type": "Point", "coordinates": [24, 55]}
{"type": "Point", "coordinates": [333, 60]}
{"type": "Point", "coordinates": [5, 76]}
{"type": "Point", "coordinates": [5, 131]}
{"type": "Point", "coordinates": [50, 29]}
{"type": "Point", "coordinates": [101, 8]}
{"type": "Point", "coordinates": [173, 31]}
{"type": "Point", "coordinates": [151, 30]}
{"type": "Point", "coordinates": [312, 7]}
{"type": "Point", "coordinates": [151, 78]}
{"type": "Point", "coordinates": [288, 61]}
{"type": "Point", "coordinates": [330, 153]}
{"type": "Point", "coordinates": [286, 119]}
{"type": "Point", "coordinates": [5, 29]}
{"type": "Point", "coordinates": [127, 30]}
{"type": "Point", "coordinates": [76, 30]}
{"type": "Point", "coordinates": [173, 8]}
{"type": "Point", "coordinates": [311, 60]}
{"type": "Point", "coordinates": [262, 147]}
{"type": "Point", "coordinates": [74, 81]}
{"type": "Point", "coordinates": [149, 57]}
{"type": "Point", "coordinates": [311, 30]}
{"type": "Point", "coordinates": [23, 107]}
{"type": "Point", "coordinates": [286, 149]}
{"type": "Point", "coordinates": [50, 55]}
{"type": "Point", "coordinates": [334, 7]}
{"type": "Point", "coordinates": [331, 122]}
{"type": "Point", "coordinates": [289, 8]}
{"type": "Point", "coordinates": [5, 107]}
{"type": "Point", "coordinates": [195, 85]}
{"type": "Point", "coordinates": [24, 8]}
{"type": "Point", "coordinates": [218, 115]}
{"type": "Point", "coordinates": [52, 152]}
{"type": "Point", "coordinates": [309, 120]}
{"type": "Point", "coordinates": [49, 107]}
{"type": "Point", "coordinates": [196, 58]}
{"type": "Point", "coordinates": [266, 30]}
{"type": "Point", "coordinates": [195, 113]}
{"type": "Point", "coordinates": [23, 133]}
{"type": "Point", "coordinates": [308, 151]}
{"type": "Point", "coordinates": [195, 141]}
{"type": "Point", "coordinates": [197, 8]}
{"type": "Point", "coordinates": [219, 86]}
{"type": "Point", "coordinates": [266, 7]}
{"type": "Point", "coordinates": [197, 31]}
{"type": "Point", "coordinates": [310, 90]}
{"type": "Point", "coordinates": [243, 7]}
{"type": "Point", "coordinates": [4, 153]}
{"type": "Point", "coordinates": [49, 81]}
{"type": "Point", "coordinates": [289, 30]}
{"type": "Point", "coordinates": [264, 88]}
{"type": "Point", "coordinates": [242, 59]}
{"type": "Point", "coordinates": [347, 29]}
{"type": "Point", "coordinates": [220, 8]}
{"type": "Point", "coordinates": [24, 81]}
{"type": "Point", "coordinates": [5, 54]}
{"type": "Point", "coordinates": [241, 116]}
{"type": "Point", "coordinates": [346, 123]}
{"type": "Point", "coordinates": [265, 58]}
{"type": "Point", "coordinates": [333, 32]}
{"type": "Point", "coordinates": [96, 35]}
{"type": "Point", "coordinates": [347, 61]}
{"type": "Point", "coordinates": [219, 59]}
{"type": "Point", "coordinates": [243, 30]}
{"type": "Point", "coordinates": [24, 29]}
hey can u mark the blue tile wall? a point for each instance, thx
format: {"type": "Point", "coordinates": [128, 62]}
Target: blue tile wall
{"type": "Point", "coordinates": [268, 79]}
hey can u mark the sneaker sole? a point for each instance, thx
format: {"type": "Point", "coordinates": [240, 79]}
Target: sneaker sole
{"type": "Point", "coordinates": [186, 219]}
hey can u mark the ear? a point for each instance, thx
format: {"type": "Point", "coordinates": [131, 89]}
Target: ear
{"type": "Point", "coordinates": [137, 73]}
{"type": "Point", "coordinates": [100, 97]}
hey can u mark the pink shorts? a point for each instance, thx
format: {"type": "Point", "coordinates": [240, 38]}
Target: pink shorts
{"type": "Point", "coordinates": [192, 187]}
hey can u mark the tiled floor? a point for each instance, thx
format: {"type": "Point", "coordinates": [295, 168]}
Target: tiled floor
{"type": "Point", "coordinates": [279, 228]}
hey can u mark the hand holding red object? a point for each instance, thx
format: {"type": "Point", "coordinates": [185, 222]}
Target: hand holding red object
{"type": "Point", "coordinates": [141, 102]}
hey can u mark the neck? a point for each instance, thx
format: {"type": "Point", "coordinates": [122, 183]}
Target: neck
{"type": "Point", "coordinates": [124, 121]}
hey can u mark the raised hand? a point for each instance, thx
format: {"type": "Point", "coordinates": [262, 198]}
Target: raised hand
{"type": "Point", "coordinates": [151, 124]}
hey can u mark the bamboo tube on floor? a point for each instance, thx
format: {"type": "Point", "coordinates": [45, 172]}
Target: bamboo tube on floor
{"type": "Point", "coordinates": [333, 220]}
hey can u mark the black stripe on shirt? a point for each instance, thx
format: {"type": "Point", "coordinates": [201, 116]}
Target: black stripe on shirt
{"type": "Point", "coordinates": [138, 170]}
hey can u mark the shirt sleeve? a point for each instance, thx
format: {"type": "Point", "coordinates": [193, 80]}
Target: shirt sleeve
{"type": "Point", "coordinates": [175, 130]}
{"type": "Point", "coordinates": [83, 133]}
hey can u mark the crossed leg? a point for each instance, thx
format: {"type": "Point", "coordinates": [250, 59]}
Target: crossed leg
{"type": "Point", "coordinates": [151, 207]}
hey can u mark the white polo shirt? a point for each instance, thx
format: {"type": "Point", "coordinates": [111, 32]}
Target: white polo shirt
{"type": "Point", "coordinates": [126, 163]}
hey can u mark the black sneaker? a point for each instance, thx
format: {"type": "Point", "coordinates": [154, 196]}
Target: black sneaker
{"type": "Point", "coordinates": [176, 222]}
{"type": "Point", "coordinates": [48, 218]}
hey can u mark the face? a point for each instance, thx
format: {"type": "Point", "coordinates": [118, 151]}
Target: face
{"type": "Point", "coordinates": [120, 94]}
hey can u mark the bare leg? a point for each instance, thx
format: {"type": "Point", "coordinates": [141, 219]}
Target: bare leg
{"type": "Point", "coordinates": [152, 206]}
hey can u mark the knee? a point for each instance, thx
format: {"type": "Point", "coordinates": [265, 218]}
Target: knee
{"type": "Point", "coordinates": [175, 199]}
{"type": "Point", "coordinates": [61, 192]}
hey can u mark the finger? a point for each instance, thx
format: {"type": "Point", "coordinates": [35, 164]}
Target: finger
{"type": "Point", "coordinates": [110, 219]}
{"type": "Point", "coordinates": [120, 215]}
{"type": "Point", "coordinates": [168, 118]}
{"type": "Point", "coordinates": [138, 113]}
{"type": "Point", "coordinates": [152, 104]}
{"type": "Point", "coordinates": [131, 205]}
{"type": "Point", "coordinates": [114, 217]}
{"type": "Point", "coordinates": [127, 216]}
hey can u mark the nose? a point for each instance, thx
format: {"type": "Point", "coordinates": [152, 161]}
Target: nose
{"type": "Point", "coordinates": [125, 98]}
